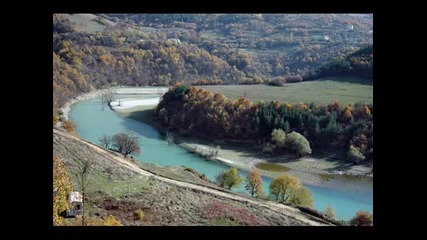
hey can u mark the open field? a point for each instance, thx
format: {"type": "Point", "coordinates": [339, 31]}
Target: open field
{"type": "Point", "coordinates": [86, 23]}
{"type": "Point", "coordinates": [323, 91]}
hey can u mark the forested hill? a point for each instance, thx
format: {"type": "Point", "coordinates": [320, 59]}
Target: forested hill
{"type": "Point", "coordinates": [118, 56]}
{"type": "Point", "coordinates": [359, 63]}
{"type": "Point", "coordinates": [162, 49]}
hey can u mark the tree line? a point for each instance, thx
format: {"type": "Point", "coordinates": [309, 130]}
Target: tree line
{"type": "Point", "coordinates": [189, 110]}
{"type": "Point", "coordinates": [284, 189]}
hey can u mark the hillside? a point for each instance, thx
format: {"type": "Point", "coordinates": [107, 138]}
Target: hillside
{"type": "Point", "coordinates": [268, 45]}
{"type": "Point", "coordinates": [119, 56]}
{"type": "Point", "coordinates": [163, 49]}
{"type": "Point", "coordinates": [119, 186]}
{"type": "Point", "coordinates": [357, 64]}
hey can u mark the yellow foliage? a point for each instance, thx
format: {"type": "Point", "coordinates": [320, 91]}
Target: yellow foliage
{"type": "Point", "coordinates": [276, 104]}
{"type": "Point", "coordinates": [367, 111]}
{"type": "Point", "coordinates": [282, 187]}
{"type": "Point", "coordinates": [254, 184]}
{"type": "Point", "coordinates": [335, 106]}
{"type": "Point", "coordinates": [61, 188]}
{"type": "Point", "coordinates": [55, 119]}
{"type": "Point", "coordinates": [347, 114]}
{"type": "Point", "coordinates": [302, 197]}
{"type": "Point", "coordinates": [112, 221]}
{"type": "Point", "coordinates": [139, 214]}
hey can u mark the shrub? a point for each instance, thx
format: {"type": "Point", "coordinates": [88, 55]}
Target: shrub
{"type": "Point", "coordinates": [363, 218]}
{"type": "Point", "coordinates": [69, 126]}
{"type": "Point", "coordinates": [139, 214]}
{"type": "Point", "coordinates": [330, 212]}
{"type": "Point", "coordinates": [112, 221]}
{"type": "Point", "coordinates": [355, 155]}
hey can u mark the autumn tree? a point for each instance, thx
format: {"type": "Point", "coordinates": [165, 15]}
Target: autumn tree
{"type": "Point", "coordinates": [281, 188]}
{"type": "Point", "coordinates": [302, 197]}
{"type": "Point", "coordinates": [363, 218]}
{"type": "Point", "coordinates": [106, 140]}
{"type": "Point", "coordinates": [229, 179]}
{"type": "Point", "coordinates": [330, 212]}
{"type": "Point", "coordinates": [126, 143]}
{"type": "Point", "coordinates": [61, 189]}
{"type": "Point", "coordinates": [254, 184]}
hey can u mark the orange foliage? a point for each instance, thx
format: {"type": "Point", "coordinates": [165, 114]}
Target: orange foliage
{"type": "Point", "coordinates": [347, 114]}
{"type": "Point", "coordinates": [367, 111]}
{"type": "Point", "coordinates": [69, 126]}
{"type": "Point", "coordinates": [276, 104]}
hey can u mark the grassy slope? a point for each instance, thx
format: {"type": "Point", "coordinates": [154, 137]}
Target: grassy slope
{"type": "Point", "coordinates": [163, 203]}
{"type": "Point", "coordinates": [322, 91]}
{"type": "Point", "coordinates": [85, 23]}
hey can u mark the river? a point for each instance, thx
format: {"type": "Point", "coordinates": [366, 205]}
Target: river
{"type": "Point", "coordinates": [346, 197]}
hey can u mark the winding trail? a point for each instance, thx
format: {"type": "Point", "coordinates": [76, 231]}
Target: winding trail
{"type": "Point", "coordinates": [283, 209]}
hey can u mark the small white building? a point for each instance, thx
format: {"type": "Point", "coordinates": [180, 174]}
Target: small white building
{"type": "Point", "coordinates": [76, 200]}
{"type": "Point", "coordinates": [75, 197]}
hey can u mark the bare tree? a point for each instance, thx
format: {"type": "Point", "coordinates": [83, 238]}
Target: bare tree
{"type": "Point", "coordinates": [213, 151]}
{"type": "Point", "coordinates": [106, 140]}
{"type": "Point", "coordinates": [84, 170]}
{"type": "Point", "coordinates": [170, 138]}
{"type": "Point", "coordinates": [126, 143]}
{"type": "Point", "coordinates": [107, 97]}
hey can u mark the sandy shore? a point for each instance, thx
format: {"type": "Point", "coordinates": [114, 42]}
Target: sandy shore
{"type": "Point", "coordinates": [126, 103]}
{"type": "Point", "coordinates": [67, 106]}
{"type": "Point", "coordinates": [308, 169]}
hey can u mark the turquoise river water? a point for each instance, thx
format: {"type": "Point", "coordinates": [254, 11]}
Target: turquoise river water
{"type": "Point", "coordinates": [92, 122]}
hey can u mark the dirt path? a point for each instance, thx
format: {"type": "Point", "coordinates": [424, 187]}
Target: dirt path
{"type": "Point", "coordinates": [286, 210]}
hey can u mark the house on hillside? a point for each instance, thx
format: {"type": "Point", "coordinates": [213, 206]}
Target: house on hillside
{"type": "Point", "coordinates": [76, 201]}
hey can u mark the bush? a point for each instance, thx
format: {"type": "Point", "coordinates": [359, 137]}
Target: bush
{"type": "Point", "coordinates": [55, 119]}
{"type": "Point", "coordinates": [69, 126]}
{"type": "Point", "coordinates": [139, 214]}
{"type": "Point", "coordinates": [363, 218]}
{"type": "Point", "coordinates": [298, 144]}
{"type": "Point", "coordinates": [355, 155]}
{"type": "Point", "coordinates": [112, 221]}
{"type": "Point", "coordinates": [330, 212]}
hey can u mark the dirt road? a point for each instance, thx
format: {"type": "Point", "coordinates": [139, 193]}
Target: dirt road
{"type": "Point", "coordinates": [286, 210]}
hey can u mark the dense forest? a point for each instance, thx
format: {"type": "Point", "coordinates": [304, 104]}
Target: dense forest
{"type": "Point", "coordinates": [359, 63]}
{"type": "Point", "coordinates": [198, 49]}
{"type": "Point", "coordinates": [189, 110]}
